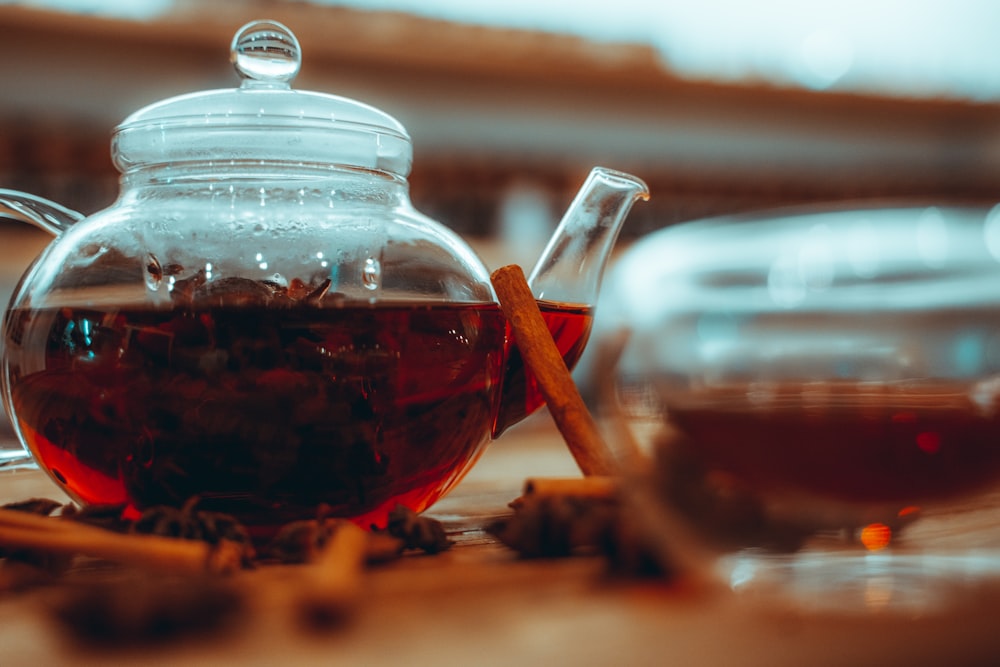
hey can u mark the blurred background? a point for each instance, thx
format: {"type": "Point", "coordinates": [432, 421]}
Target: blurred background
{"type": "Point", "coordinates": [721, 105]}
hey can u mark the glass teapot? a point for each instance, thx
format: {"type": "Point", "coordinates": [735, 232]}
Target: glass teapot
{"type": "Point", "coordinates": [262, 320]}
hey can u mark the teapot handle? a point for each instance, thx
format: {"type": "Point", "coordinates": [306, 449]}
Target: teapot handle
{"type": "Point", "coordinates": [55, 219]}
{"type": "Point", "coordinates": [48, 215]}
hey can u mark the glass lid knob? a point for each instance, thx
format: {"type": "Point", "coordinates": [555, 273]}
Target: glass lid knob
{"type": "Point", "coordinates": [265, 53]}
{"type": "Point", "coordinates": [263, 119]}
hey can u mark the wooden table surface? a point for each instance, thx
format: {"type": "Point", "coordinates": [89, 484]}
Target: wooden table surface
{"type": "Point", "coordinates": [479, 604]}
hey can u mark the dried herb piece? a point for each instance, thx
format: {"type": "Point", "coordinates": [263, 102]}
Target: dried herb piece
{"type": "Point", "coordinates": [189, 523]}
{"type": "Point", "coordinates": [556, 526]}
{"type": "Point", "coordinates": [311, 294]}
{"type": "Point", "coordinates": [298, 541]}
{"type": "Point", "coordinates": [43, 506]}
{"type": "Point", "coordinates": [109, 517]}
{"type": "Point", "coordinates": [145, 610]}
{"type": "Point", "coordinates": [628, 552]}
{"type": "Point", "coordinates": [303, 541]}
{"type": "Point", "coordinates": [589, 523]}
{"type": "Point", "coordinates": [417, 531]}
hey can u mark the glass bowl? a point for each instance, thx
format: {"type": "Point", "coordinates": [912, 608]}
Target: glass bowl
{"type": "Point", "coordinates": [820, 384]}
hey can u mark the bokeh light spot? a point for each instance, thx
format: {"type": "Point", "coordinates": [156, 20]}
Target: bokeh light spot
{"type": "Point", "coordinates": [929, 441]}
{"type": "Point", "coordinates": [876, 536]}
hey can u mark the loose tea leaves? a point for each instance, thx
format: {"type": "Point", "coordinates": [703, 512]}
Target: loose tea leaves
{"type": "Point", "coordinates": [190, 524]}
{"type": "Point", "coordinates": [579, 522]}
{"type": "Point", "coordinates": [40, 506]}
{"type": "Point", "coordinates": [555, 526]}
{"type": "Point", "coordinates": [303, 541]}
{"type": "Point", "coordinates": [109, 517]}
{"type": "Point", "coordinates": [417, 531]}
{"type": "Point", "coordinates": [197, 290]}
{"type": "Point", "coordinates": [267, 398]}
{"type": "Point", "coordinates": [146, 602]}
{"type": "Point", "coordinates": [264, 412]}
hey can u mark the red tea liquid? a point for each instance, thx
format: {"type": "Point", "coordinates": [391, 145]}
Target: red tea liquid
{"type": "Point", "coordinates": [570, 326]}
{"type": "Point", "coordinates": [926, 443]}
{"type": "Point", "coordinates": [265, 413]}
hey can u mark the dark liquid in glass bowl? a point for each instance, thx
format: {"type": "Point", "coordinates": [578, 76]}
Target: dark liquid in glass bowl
{"type": "Point", "coordinates": [919, 442]}
{"type": "Point", "coordinates": [266, 413]}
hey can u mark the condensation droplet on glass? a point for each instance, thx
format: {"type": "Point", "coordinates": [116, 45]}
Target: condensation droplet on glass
{"type": "Point", "coordinates": [371, 275]}
{"type": "Point", "coordinates": [154, 272]}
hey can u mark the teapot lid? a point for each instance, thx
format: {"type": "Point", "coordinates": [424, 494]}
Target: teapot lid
{"type": "Point", "coordinates": [263, 119]}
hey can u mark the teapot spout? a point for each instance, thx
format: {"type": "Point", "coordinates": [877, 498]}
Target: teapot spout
{"type": "Point", "coordinates": [568, 277]}
{"type": "Point", "coordinates": [572, 265]}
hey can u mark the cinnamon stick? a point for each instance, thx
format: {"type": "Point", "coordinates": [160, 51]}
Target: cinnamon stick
{"type": "Point", "coordinates": [27, 531]}
{"type": "Point", "coordinates": [595, 486]}
{"type": "Point", "coordinates": [332, 584]}
{"type": "Point", "coordinates": [543, 360]}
